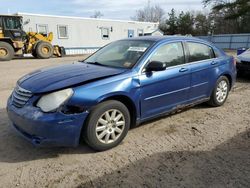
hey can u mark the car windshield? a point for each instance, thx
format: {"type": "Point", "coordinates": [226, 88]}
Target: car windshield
{"type": "Point", "coordinates": [120, 54]}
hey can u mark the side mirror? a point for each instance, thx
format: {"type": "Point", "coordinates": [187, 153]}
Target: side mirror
{"type": "Point", "coordinates": [26, 22]}
{"type": "Point", "coordinates": [155, 66]}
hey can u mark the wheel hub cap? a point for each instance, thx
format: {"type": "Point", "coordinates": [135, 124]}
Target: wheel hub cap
{"type": "Point", "coordinates": [3, 52]}
{"type": "Point", "coordinates": [221, 92]}
{"type": "Point", "coordinates": [45, 50]}
{"type": "Point", "coordinates": [110, 126]}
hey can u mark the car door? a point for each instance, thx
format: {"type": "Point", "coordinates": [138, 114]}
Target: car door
{"type": "Point", "coordinates": [203, 65]}
{"type": "Point", "coordinates": [163, 90]}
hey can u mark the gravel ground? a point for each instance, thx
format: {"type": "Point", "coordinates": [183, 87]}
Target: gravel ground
{"type": "Point", "coordinates": [198, 147]}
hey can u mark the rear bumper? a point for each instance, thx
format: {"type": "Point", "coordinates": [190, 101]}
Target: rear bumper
{"type": "Point", "coordinates": [46, 129]}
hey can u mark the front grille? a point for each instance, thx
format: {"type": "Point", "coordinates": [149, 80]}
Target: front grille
{"type": "Point", "coordinates": [20, 97]}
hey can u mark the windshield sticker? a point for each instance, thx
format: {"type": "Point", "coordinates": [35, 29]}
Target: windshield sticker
{"type": "Point", "coordinates": [127, 64]}
{"type": "Point", "coordinates": [137, 49]}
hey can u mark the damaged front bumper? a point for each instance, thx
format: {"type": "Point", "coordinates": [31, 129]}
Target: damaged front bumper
{"type": "Point", "coordinates": [46, 129]}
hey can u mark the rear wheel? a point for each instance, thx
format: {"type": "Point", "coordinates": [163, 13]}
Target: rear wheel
{"type": "Point", "coordinates": [107, 125]}
{"type": "Point", "coordinates": [220, 92]}
{"type": "Point", "coordinates": [6, 51]}
{"type": "Point", "coordinates": [44, 50]}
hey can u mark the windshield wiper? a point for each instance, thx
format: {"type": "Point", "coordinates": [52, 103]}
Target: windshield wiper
{"type": "Point", "coordinates": [96, 63]}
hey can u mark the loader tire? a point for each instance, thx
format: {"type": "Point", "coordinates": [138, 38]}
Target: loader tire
{"type": "Point", "coordinates": [44, 50]}
{"type": "Point", "coordinates": [34, 54]}
{"type": "Point", "coordinates": [62, 51]}
{"type": "Point", "coordinates": [6, 51]}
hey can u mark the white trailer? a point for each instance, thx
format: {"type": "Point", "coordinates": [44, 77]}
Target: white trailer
{"type": "Point", "coordinates": [84, 35]}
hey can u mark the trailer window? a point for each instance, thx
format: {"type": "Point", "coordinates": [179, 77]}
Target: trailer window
{"type": "Point", "coordinates": [140, 32]}
{"type": "Point", "coordinates": [12, 23]}
{"type": "Point", "coordinates": [105, 33]}
{"type": "Point", "coordinates": [131, 33]}
{"type": "Point", "coordinates": [42, 29]}
{"type": "Point", "coordinates": [62, 31]}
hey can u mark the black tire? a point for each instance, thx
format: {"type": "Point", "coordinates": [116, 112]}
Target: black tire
{"type": "Point", "coordinates": [6, 51]}
{"type": "Point", "coordinates": [214, 101]}
{"type": "Point", "coordinates": [89, 132]}
{"type": "Point", "coordinates": [34, 54]}
{"type": "Point", "coordinates": [62, 51]}
{"type": "Point", "coordinates": [44, 50]}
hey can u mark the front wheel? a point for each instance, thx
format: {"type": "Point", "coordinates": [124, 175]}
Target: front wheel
{"type": "Point", "coordinates": [44, 50]}
{"type": "Point", "coordinates": [107, 125]}
{"type": "Point", "coordinates": [220, 92]}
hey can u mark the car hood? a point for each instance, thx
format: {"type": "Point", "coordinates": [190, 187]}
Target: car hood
{"type": "Point", "coordinates": [59, 77]}
{"type": "Point", "coordinates": [245, 56]}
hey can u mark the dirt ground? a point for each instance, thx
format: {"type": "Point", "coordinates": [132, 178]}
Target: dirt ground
{"type": "Point", "coordinates": [199, 147]}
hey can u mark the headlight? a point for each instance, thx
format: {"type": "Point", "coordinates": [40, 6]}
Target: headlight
{"type": "Point", "coordinates": [52, 101]}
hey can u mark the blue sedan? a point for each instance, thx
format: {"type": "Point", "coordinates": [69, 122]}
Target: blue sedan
{"type": "Point", "coordinates": [121, 85]}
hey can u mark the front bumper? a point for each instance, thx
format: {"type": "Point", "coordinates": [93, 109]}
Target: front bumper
{"type": "Point", "coordinates": [46, 129]}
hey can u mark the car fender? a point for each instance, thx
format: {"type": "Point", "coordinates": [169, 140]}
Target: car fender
{"type": "Point", "coordinates": [91, 94]}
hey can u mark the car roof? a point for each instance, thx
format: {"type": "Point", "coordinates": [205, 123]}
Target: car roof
{"type": "Point", "coordinates": [169, 38]}
{"type": "Point", "coordinates": [166, 38]}
{"type": "Point", "coordinates": [173, 38]}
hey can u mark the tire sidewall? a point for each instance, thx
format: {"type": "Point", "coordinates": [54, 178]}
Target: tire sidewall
{"type": "Point", "coordinates": [10, 50]}
{"type": "Point", "coordinates": [39, 52]}
{"type": "Point", "coordinates": [90, 127]}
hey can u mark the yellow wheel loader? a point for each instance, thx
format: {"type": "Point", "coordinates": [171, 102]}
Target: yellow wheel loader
{"type": "Point", "coordinates": [15, 42]}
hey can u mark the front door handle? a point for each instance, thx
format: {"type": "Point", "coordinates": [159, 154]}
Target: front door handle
{"type": "Point", "coordinates": [183, 70]}
{"type": "Point", "coordinates": [214, 63]}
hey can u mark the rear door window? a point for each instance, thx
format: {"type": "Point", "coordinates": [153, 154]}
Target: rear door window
{"type": "Point", "coordinates": [199, 52]}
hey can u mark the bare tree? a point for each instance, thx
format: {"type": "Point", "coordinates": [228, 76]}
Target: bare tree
{"type": "Point", "coordinates": [97, 14]}
{"type": "Point", "coordinates": [149, 14]}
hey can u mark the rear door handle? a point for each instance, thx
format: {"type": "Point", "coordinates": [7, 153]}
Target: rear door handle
{"type": "Point", "coordinates": [183, 70]}
{"type": "Point", "coordinates": [214, 63]}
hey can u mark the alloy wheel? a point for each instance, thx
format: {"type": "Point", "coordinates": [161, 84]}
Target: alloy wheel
{"type": "Point", "coordinates": [221, 91]}
{"type": "Point", "coordinates": [110, 126]}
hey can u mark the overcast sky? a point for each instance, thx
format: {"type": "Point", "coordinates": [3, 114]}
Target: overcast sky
{"type": "Point", "coordinates": [114, 9]}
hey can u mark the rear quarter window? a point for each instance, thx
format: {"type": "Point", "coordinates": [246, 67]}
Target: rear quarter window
{"type": "Point", "coordinates": [199, 52]}
{"type": "Point", "coordinates": [218, 53]}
